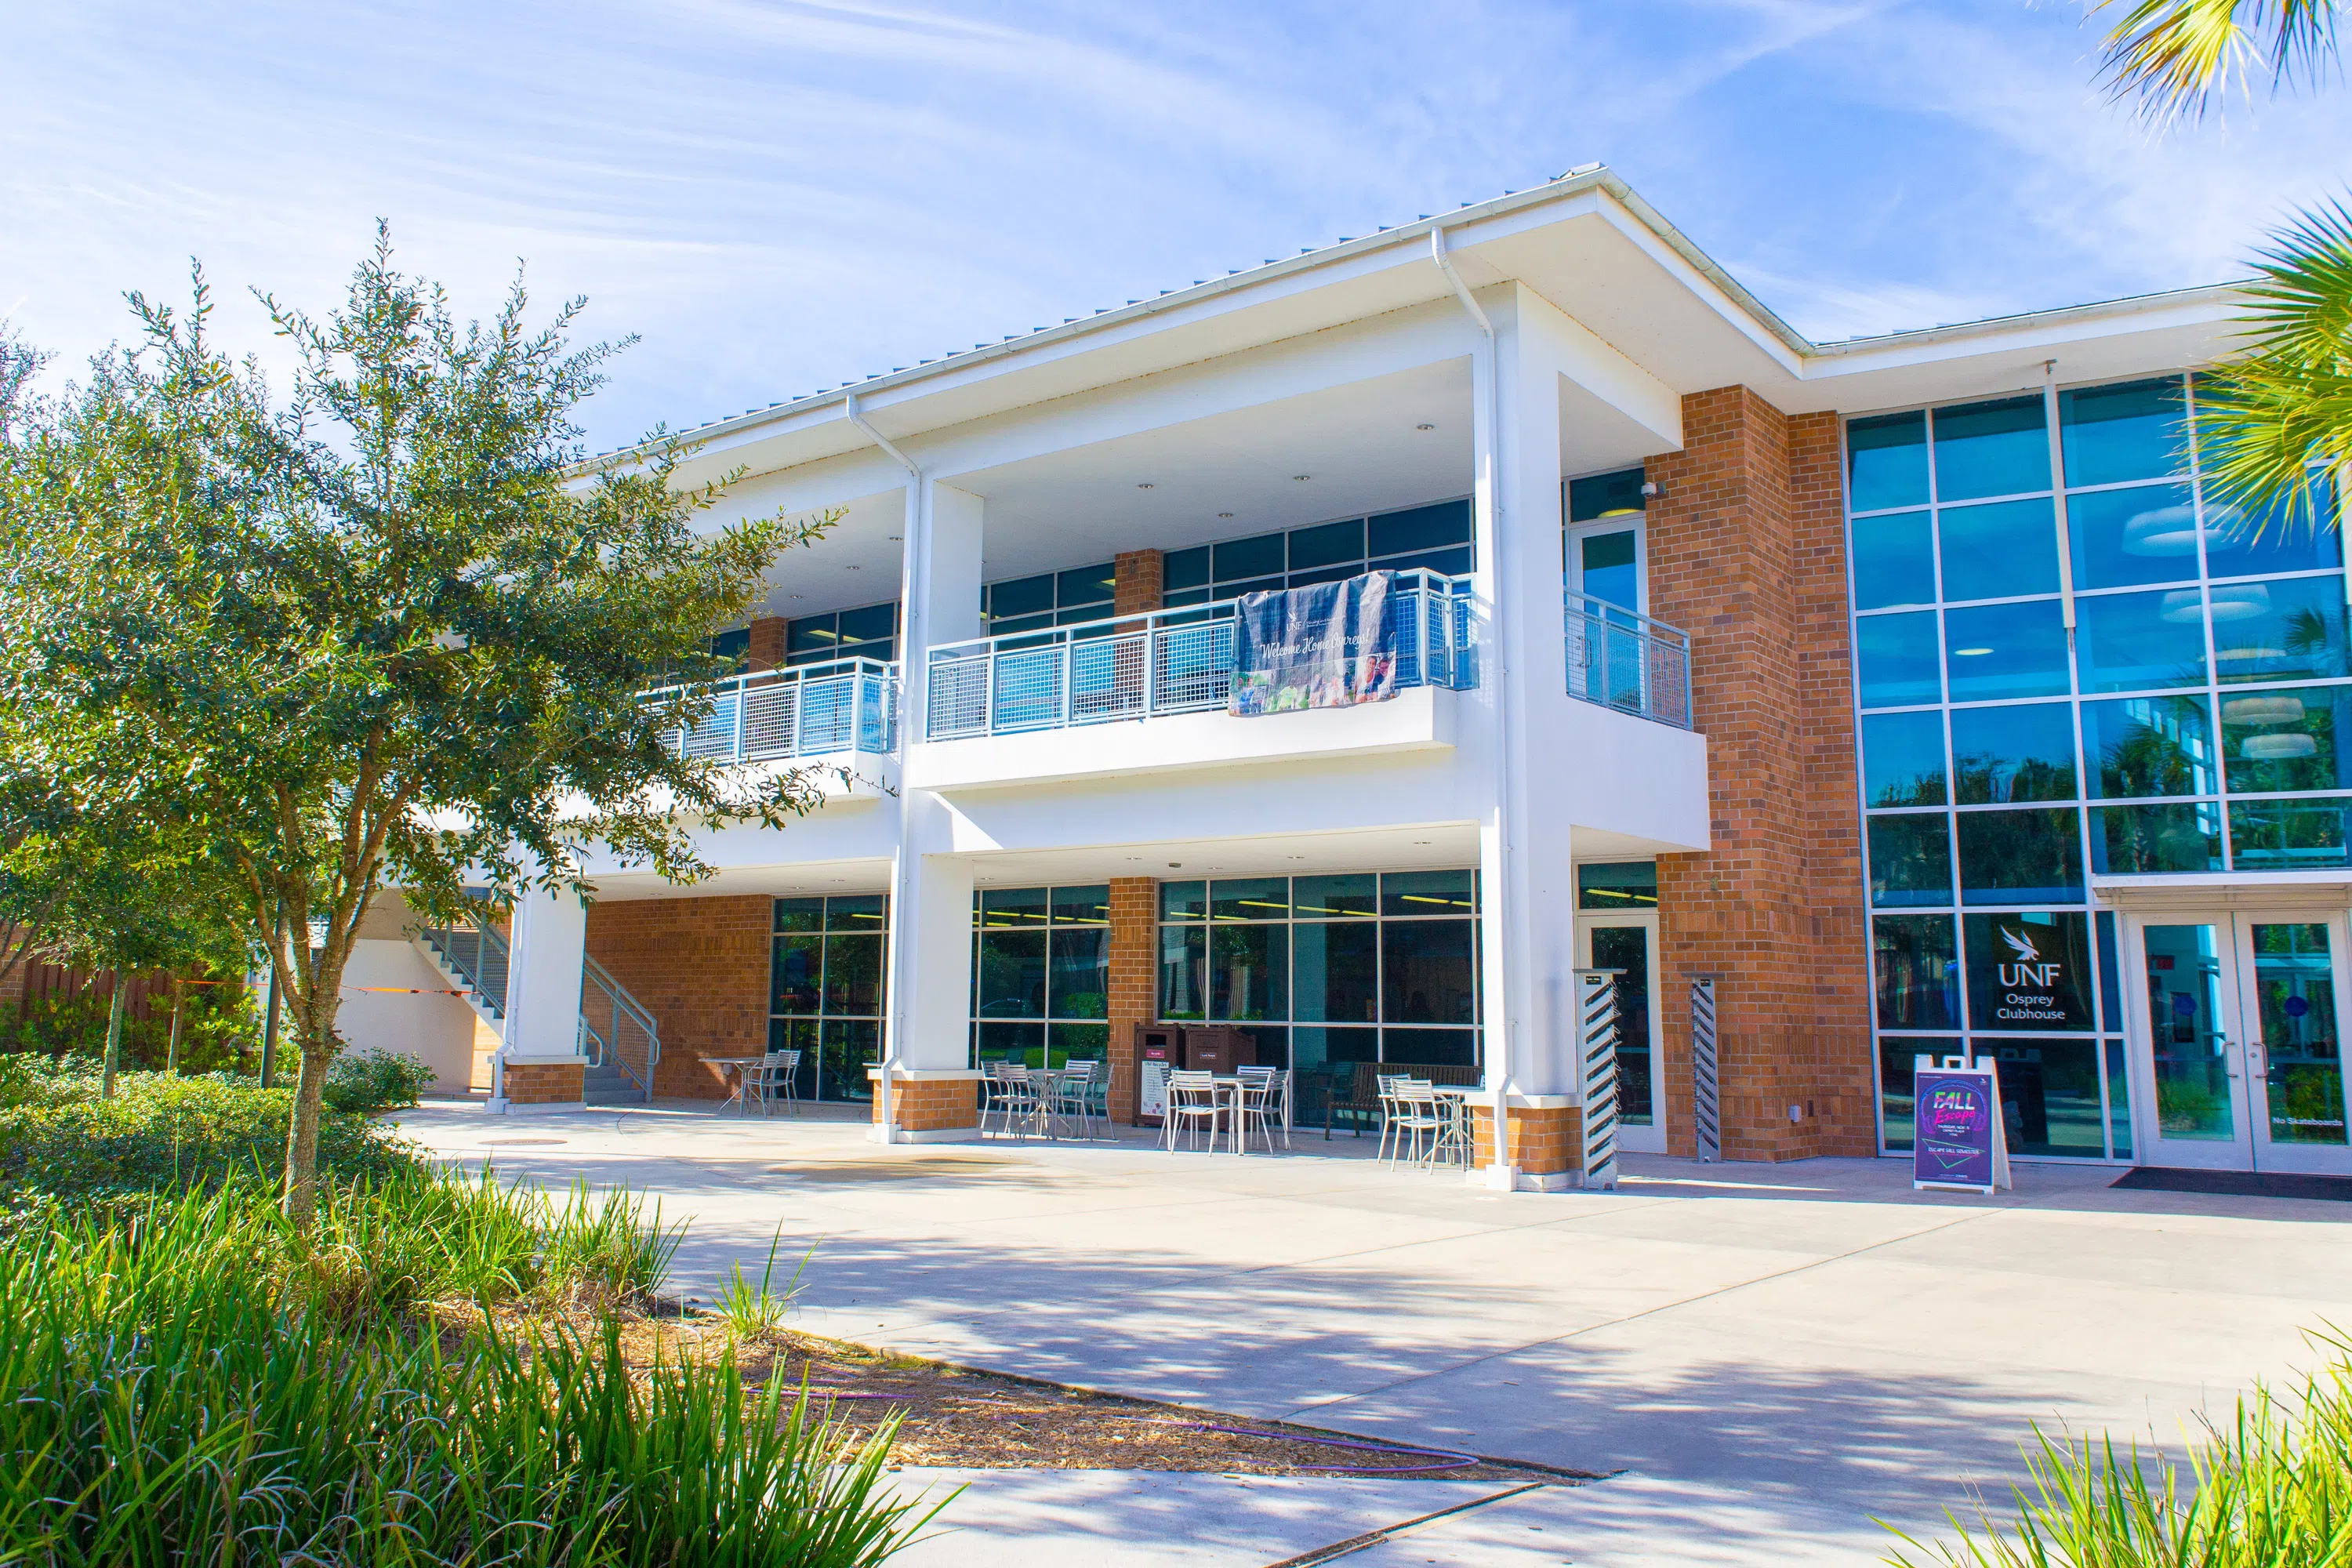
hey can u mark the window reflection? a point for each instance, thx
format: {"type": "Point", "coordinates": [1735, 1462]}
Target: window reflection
{"type": "Point", "coordinates": [2282, 835]}
{"type": "Point", "coordinates": [1886, 461]}
{"type": "Point", "coordinates": [2145, 840]}
{"type": "Point", "coordinates": [1895, 660]}
{"type": "Point", "coordinates": [1902, 759]}
{"type": "Point", "coordinates": [1997, 651]}
{"type": "Point", "coordinates": [2122, 538]}
{"type": "Point", "coordinates": [2004, 551]}
{"type": "Point", "coordinates": [2003, 756]}
{"type": "Point", "coordinates": [2020, 857]}
{"type": "Point", "coordinates": [1910, 860]}
{"type": "Point", "coordinates": [2296, 738]}
{"type": "Point", "coordinates": [1893, 561]}
{"type": "Point", "coordinates": [1918, 971]}
{"type": "Point", "coordinates": [1999, 448]}
{"type": "Point", "coordinates": [2143, 746]}
{"type": "Point", "coordinates": [2241, 542]}
{"type": "Point", "coordinates": [2133, 430]}
{"type": "Point", "coordinates": [2139, 642]}
{"type": "Point", "coordinates": [2286, 629]}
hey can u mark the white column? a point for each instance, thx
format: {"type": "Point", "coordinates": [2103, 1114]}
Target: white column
{"type": "Point", "coordinates": [545, 954]}
{"type": "Point", "coordinates": [926, 1024]}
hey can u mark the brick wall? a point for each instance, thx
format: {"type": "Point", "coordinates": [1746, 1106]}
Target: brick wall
{"type": "Point", "coordinates": [1544, 1141]}
{"type": "Point", "coordinates": [1746, 549]}
{"type": "Point", "coordinates": [1142, 578]}
{"type": "Point", "coordinates": [545, 1083]}
{"type": "Point", "coordinates": [700, 967]}
{"type": "Point", "coordinates": [1134, 981]}
{"type": "Point", "coordinates": [767, 647]}
{"type": "Point", "coordinates": [934, 1105]}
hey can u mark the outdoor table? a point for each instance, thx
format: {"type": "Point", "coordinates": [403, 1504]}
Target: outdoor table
{"type": "Point", "coordinates": [738, 1069]}
{"type": "Point", "coordinates": [1230, 1084]}
{"type": "Point", "coordinates": [1459, 1094]}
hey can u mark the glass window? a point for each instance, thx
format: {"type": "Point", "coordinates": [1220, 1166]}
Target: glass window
{"type": "Point", "coordinates": [1607, 568]}
{"type": "Point", "coordinates": [2143, 746]}
{"type": "Point", "coordinates": [1999, 448]}
{"type": "Point", "coordinates": [800, 914]}
{"type": "Point", "coordinates": [1086, 586]}
{"type": "Point", "coordinates": [1087, 904]}
{"type": "Point", "coordinates": [1619, 885]}
{"type": "Point", "coordinates": [2240, 541]}
{"type": "Point", "coordinates": [1426, 973]}
{"type": "Point", "coordinates": [2049, 1096]}
{"type": "Point", "coordinates": [2281, 835]}
{"type": "Point", "coordinates": [796, 974]}
{"type": "Point", "coordinates": [1897, 1059]}
{"type": "Point", "coordinates": [1428, 893]}
{"type": "Point", "coordinates": [852, 976]}
{"type": "Point", "coordinates": [1996, 651]}
{"type": "Point", "coordinates": [1249, 971]}
{"type": "Point", "coordinates": [2004, 551]}
{"type": "Point", "coordinates": [2020, 857]}
{"type": "Point", "coordinates": [1346, 895]}
{"type": "Point", "coordinates": [1022, 1044]}
{"type": "Point", "coordinates": [1019, 908]}
{"type": "Point", "coordinates": [1886, 461]}
{"type": "Point", "coordinates": [1605, 495]}
{"type": "Point", "coordinates": [849, 1046]}
{"type": "Point", "coordinates": [2145, 840]}
{"type": "Point", "coordinates": [1083, 1042]}
{"type": "Point", "coordinates": [1182, 569]}
{"type": "Point", "coordinates": [1079, 985]}
{"type": "Point", "coordinates": [2286, 629]}
{"type": "Point", "coordinates": [1013, 974]}
{"type": "Point", "coordinates": [2118, 1098]}
{"type": "Point", "coordinates": [1421, 528]}
{"type": "Point", "coordinates": [2139, 642]}
{"type": "Point", "coordinates": [1918, 967]}
{"type": "Point", "coordinates": [1454, 562]}
{"type": "Point", "coordinates": [1902, 760]}
{"type": "Point", "coordinates": [2299, 738]}
{"type": "Point", "coordinates": [871, 623]}
{"type": "Point", "coordinates": [869, 911]}
{"type": "Point", "coordinates": [1336, 971]}
{"type": "Point", "coordinates": [1021, 597]}
{"type": "Point", "coordinates": [1250, 899]}
{"type": "Point", "coordinates": [1910, 860]}
{"type": "Point", "coordinates": [1896, 661]}
{"type": "Point", "coordinates": [1258, 557]}
{"type": "Point", "coordinates": [2030, 973]}
{"type": "Point", "coordinates": [2006, 756]}
{"type": "Point", "coordinates": [2122, 538]}
{"type": "Point", "coordinates": [1183, 900]}
{"type": "Point", "coordinates": [2135, 430]}
{"type": "Point", "coordinates": [1893, 561]}
{"type": "Point", "coordinates": [1429, 1048]}
{"type": "Point", "coordinates": [1327, 544]}
{"type": "Point", "coordinates": [1184, 971]}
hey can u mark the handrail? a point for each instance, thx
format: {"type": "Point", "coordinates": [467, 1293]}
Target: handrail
{"type": "Point", "coordinates": [799, 710]}
{"type": "Point", "coordinates": [1159, 661]}
{"type": "Point", "coordinates": [479, 955]}
{"type": "Point", "coordinates": [1620, 658]}
{"type": "Point", "coordinates": [631, 1038]}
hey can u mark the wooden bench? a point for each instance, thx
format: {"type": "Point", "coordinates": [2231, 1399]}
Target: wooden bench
{"type": "Point", "coordinates": [1360, 1095]}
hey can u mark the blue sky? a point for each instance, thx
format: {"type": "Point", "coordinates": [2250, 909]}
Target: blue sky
{"type": "Point", "coordinates": [781, 196]}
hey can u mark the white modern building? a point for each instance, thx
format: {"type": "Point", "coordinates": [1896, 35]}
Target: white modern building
{"type": "Point", "coordinates": [1907, 691]}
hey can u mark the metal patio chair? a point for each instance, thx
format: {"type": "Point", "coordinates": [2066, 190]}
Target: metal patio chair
{"type": "Point", "coordinates": [1194, 1102]}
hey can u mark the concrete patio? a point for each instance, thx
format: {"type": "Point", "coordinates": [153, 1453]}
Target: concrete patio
{"type": "Point", "coordinates": [1775, 1355]}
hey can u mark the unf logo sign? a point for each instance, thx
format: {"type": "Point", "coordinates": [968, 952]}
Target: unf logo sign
{"type": "Point", "coordinates": [2029, 971]}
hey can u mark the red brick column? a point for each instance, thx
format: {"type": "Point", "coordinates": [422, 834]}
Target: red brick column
{"type": "Point", "coordinates": [767, 642]}
{"type": "Point", "coordinates": [700, 967]}
{"type": "Point", "coordinates": [545, 1083]}
{"type": "Point", "coordinates": [1543, 1140]}
{"type": "Point", "coordinates": [931, 1105]}
{"type": "Point", "coordinates": [1746, 548]}
{"type": "Point", "coordinates": [1134, 981]}
{"type": "Point", "coordinates": [1142, 578]}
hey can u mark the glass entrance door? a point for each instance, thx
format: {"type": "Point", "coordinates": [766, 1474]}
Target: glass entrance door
{"type": "Point", "coordinates": [2243, 1058]}
{"type": "Point", "coordinates": [1628, 943]}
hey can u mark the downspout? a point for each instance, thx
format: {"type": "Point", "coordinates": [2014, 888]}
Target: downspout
{"type": "Point", "coordinates": [1500, 1172]}
{"type": "Point", "coordinates": [913, 588]}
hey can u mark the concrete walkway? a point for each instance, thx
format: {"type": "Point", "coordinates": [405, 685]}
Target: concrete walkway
{"type": "Point", "coordinates": [1774, 1355]}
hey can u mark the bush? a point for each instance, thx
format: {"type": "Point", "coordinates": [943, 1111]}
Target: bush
{"type": "Point", "coordinates": [219, 1028]}
{"type": "Point", "coordinates": [2273, 1490]}
{"type": "Point", "coordinates": [206, 1385]}
{"type": "Point", "coordinates": [161, 1133]}
{"type": "Point", "coordinates": [375, 1080]}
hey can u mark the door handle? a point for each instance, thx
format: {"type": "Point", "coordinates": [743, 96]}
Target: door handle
{"type": "Point", "coordinates": [2228, 1059]}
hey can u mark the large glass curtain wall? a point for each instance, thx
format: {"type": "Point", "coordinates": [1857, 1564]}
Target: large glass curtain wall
{"type": "Point", "coordinates": [825, 988]}
{"type": "Point", "coordinates": [1041, 974]}
{"type": "Point", "coordinates": [2071, 660]}
{"type": "Point", "coordinates": [1358, 967]}
{"type": "Point", "coordinates": [1433, 537]}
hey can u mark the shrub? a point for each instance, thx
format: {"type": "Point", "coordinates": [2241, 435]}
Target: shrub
{"type": "Point", "coordinates": [183, 1390]}
{"type": "Point", "coordinates": [219, 1027]}
{"type": "Point", "coordinates": [377, 1079]}
{"type": "Point", "coordinates": [2273, 1490]}
{"type": "Point", "coordinates": [162, 1134]}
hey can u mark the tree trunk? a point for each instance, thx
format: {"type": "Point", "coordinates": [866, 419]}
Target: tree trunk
{"type": "Point", "coordinates": [171, 1051]}
{"type": "Point", "coordinates": [313, 1008]}
{"type": "Point", "coordinates": [114, 1033]}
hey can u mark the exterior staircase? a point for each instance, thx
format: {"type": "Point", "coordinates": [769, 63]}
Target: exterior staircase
{"type": "Point", "coordinates": [619, 1038]}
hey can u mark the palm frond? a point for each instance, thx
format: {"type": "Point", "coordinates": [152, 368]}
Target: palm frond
{"type": "Point", "coordinates": [2272, 426]}
{"type": "Point", "coordinates": [2180, 58]}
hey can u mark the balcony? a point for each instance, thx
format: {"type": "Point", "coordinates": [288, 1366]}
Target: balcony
{"type": "Point", "coordinates": [1628, 662]}
{"type": "Point", "coordinates": [1164, 663]}
{"type": "Point", "coordinates": [808, 710]}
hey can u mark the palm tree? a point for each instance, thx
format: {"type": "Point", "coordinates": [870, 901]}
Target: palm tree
{"type": "Point", "coordinates": [2274, 423]}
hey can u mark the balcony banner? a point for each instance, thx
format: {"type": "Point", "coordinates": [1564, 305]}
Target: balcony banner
{"type": "Point", "coordinates": [1333, 644]}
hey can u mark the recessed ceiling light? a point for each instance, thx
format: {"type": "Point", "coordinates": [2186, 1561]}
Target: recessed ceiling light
{"type": "Point", "coordinates": [1224, 514]}
{"type": "Point", "coordinates": [1971, 652]}
{"type": "Point", "coordinates": [1175, 865]}
{"type": "Point", "coordinates": [897, 538]}
{"type": "Point", "coordinates": [1144, 485]}
{"type": "Point", "coordinates": [794, 595]}
{"type": "Point", "coordinates": [1424, 426]}
{"type": "Point", "coordinates": [1302, 478]}
{"type": "Point", "coordinates": [853, 568]}
{"type": "Point", "coordinates": [1423, 843]}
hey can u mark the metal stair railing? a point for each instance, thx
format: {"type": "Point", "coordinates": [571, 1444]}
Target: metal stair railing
{"type": "Point", "coordinates": [477, 955]}
{"type": "Point", "coordinates": [616, 1030]}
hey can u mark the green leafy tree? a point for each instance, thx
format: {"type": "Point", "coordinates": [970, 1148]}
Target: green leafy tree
{"type": "Point", "coordinates": [2274, 421]}
{"type": "Point", "coordinates": [392, 630]}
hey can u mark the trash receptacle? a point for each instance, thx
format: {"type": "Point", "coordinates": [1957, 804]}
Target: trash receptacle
{"type": "Point", "coordinates": [1158, 1052]}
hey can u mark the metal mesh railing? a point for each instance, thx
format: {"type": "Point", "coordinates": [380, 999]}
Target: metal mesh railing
{"type": "Point", "coordinates": [1170, 661]}
{"type": "Point", "coordinates": [1628, 661]}
{"type": "Point", "coordinates": [478, 955]}
{"type": "Point", "coordinates": [807, 711]}
{"type": "Point", "coordinates": [624, 1034]}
